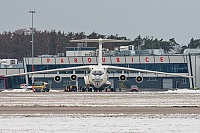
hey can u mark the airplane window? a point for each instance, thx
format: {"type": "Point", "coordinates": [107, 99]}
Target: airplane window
{"type": "Point", "coordinates": [97, 72]}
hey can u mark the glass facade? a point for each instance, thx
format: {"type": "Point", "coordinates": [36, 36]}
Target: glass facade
{"type": "Point", "coordinates": [163, 67]}
{"type": "Point", "coordinates": [15, 81]}
{"type": "Point", "coordinates": [1, 83]}
{"type": "Point", "coordinates": [48, 67]}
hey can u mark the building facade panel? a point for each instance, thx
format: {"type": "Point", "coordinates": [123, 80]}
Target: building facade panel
{"type": "Point", "coordinates": [118, 60]}
{"type": "Point", "coordinates": [105, 60]}
{"type": "Point", "coordinates": [48, 60]}
{"type": "Point", "coordinates": [147, 59]}
{"type": "Point", "coordinates": [89, 60]}
{"type": "Point", "coordinates": [197, 71]}
{"type": "Point", "coordinates": [185, 58]}
{"type": "Point", "coordinates": [161, 59]}
{"type": "Point", "coordinates": [36, 60]}
{"type": "Point", "coordinates": [76, 60]}
{"type": "Point", "coordinates": [62, 60]}
{"type": "Point", "coordinates": [79, 53]}
{"type": "Point", "coordinates": [176, 58]}
{"type": "Point", "coordinates": [132, 59]}
{"type": "Point", "coordinates": [194, 67]}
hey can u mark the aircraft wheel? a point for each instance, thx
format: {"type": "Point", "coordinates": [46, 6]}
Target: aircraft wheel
{"type": "Point", "coordinates": [100, 89]}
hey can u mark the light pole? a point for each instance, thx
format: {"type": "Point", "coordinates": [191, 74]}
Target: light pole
{"type": "Point", "coordinates": [32, 12]}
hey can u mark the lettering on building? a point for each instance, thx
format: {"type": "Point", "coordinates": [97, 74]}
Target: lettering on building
{"type": "Point", "coordinates": [161, 59]}
{"type": "Point", "coordinates": [61, 60]}
{"type": "Point", "coordinates": [103, 59]}
{"type": "Point", "coordinates": [75, 60]}
{"type": "Point", "coordinates": [48, 60]}
{"type": "Point", "coordinates": [89, 60]}
{"type": "Point", "coordinates": [147, 59]}
{"type": "Point", "coordinates": [118, 59]}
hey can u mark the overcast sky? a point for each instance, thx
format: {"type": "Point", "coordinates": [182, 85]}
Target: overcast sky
{"type": "Point", "coordinates": [179, 19]}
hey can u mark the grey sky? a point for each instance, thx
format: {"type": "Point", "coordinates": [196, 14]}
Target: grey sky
{"type": "Point", "coordinates": [165, 19]}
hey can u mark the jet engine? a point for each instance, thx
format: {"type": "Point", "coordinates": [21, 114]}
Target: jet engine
{"type": "Point", "coordinates": [73, 77]}
{"type": "Point", "coordinates": [122, 77]}
{"type": "Point", "coordinates": [139, 79]}
{"type": "Point", "coordinates": [57, 79]}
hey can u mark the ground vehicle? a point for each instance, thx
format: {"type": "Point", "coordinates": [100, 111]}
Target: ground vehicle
{"type": "Point", "coordinates": [134, 88]}
{"type": "Point", "coordinates": [71, 88]}
{"type": "Point", "coordinates": [40, 86]}
{"type": "Point", "coordinates": [26, 86]}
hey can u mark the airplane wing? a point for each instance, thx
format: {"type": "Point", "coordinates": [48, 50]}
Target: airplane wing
{"type": "Point", "coordinates": [82, 68]}
{"type": "Point", "coordinates": [146, 71]}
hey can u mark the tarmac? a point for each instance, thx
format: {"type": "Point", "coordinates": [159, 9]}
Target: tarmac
{"type": "Point", "coordinates": [168, 102]}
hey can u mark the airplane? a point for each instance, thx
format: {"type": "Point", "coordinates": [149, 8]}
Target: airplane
{"type": "Point", "coordinates": [98, 76]}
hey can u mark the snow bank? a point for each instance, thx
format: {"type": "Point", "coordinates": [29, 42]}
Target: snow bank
{"type": "Point", "coordinates": [183, 91]}
{"type": "Point", "coordinates": [99, 123]}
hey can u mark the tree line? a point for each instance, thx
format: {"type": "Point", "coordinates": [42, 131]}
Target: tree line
{"type": "Point", "coordinates": [18, 44]}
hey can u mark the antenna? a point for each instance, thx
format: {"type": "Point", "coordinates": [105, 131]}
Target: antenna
{"type": "Point", "coordinates": [100, 41]}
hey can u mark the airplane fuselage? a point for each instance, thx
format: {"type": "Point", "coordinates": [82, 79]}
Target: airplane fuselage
{"type": "Point", "coordinates": [98, 77]}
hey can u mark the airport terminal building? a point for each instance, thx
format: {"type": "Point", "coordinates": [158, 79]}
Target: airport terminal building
{"type": "Point", "coordinates": [185, 64]}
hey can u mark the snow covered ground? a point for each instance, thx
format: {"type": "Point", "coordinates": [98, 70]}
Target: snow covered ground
{"type": "Point", "coordinates": [165, 98]}
{"type": "Point", "coordinates": [183, 91]}
{"type": "Point", "coordinates": [99, 123]}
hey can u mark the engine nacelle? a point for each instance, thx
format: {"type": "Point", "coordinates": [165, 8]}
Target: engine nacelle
{"type": "Point", "coordinates": [57, 78]}
{"type": "Point", "coordinates": [122, 77]}
{"type": "Point", "coordinates": [73, 77]}
{"type": "Point", "coordinates": [139, 79]}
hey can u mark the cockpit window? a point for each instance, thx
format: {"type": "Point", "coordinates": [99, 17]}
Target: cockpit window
{"type": "Point", "coordinates": [97, 72]}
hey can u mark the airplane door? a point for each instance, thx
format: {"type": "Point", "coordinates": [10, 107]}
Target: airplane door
{"type": "Point", "coordinates": [177, 84]}
{"type": "Point", "coordinates": [167, 84]}
{"type": "Point", "coordinates": [68, 82]}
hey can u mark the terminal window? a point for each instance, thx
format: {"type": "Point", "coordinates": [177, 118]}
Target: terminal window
{"type": "Point", "coordinates": [184, 81]}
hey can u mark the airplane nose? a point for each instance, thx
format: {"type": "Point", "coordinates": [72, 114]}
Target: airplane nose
{"type": "Point", "coordinates": [97, 78]}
